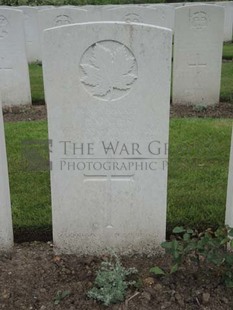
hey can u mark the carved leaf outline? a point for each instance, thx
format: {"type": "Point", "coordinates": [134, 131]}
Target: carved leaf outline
{"type": "Point", "coordinates": [109, 69]}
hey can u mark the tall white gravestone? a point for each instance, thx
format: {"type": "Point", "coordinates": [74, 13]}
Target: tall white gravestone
{"type": "Point", "coordinates": [6, 230]}
{"type": "Point", "coordinates": [229, 205]}
{"type": "Point", "coordinates": [107, 88]}
{"type": "Point", "coordinates": [14, 75]}
{"type": "Point", "coordinates": [31, 29]}
{"type": "Point", "coordinates": [197, 54]}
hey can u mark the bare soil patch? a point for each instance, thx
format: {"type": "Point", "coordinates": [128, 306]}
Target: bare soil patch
{"type": "Point", "coordinates": [25, 113]}
{"type": "Point", "coordinates": [39, 112]}
{"type": "Point", "coordinates": [31, 278]}
{"type": "Point", "coordinates": [221, 110]}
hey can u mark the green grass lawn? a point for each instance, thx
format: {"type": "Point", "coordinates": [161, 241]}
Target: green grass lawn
{"type": "Point", "coordinates": [228, 51]}
{"type": "Point", "coordinates": [226, 94]}
{"type": "Point", "coordinates": [30, 191]}
{"type": "Point", "coordinates": [36, 80]}
{"type": "Point", "coordinates": [198, 168]}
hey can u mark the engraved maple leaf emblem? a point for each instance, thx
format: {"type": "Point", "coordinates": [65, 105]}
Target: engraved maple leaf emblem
{"type": "Point", "coordinates": [109, 69]}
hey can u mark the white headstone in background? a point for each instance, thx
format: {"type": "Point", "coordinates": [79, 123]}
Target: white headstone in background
{"type": "Point", "coordinates": [14, 75]}
{"type": "Point", "coordinates": [55, 17]}
{"type": "Point", "coordinates": [176, 5]}
{"type": "Point", "coordinates": [45, 7]}
{"type": "Point", "coordinates": [95, 12]}
{"type": "Point", "coordinates": [107, 89]}
{"type": "Point", "coordinates": [168, 15]}
{"type": "Point", "coordinates": [68, 6]}
{"type": "Point", "coordinates": [232, 17]}
{"type": "Point", "coordinates": [6, 230]}
{"type": "Point", "coordinates": [160, 15]}
{"type": "Point", "coordinates": [31, 30]}
{"type": "Point", "coordinates": [229, 205]}
{"type": "Point", "coordinates": [167, 12]}
{"type": "Point", "coordinates": [197, 54]}
{"type": "Point", "coordinates": [228, 20]}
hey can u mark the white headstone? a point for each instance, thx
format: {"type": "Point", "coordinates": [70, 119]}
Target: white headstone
{"type": "Point", "coordinates": [229, 205]}
{"type": "Point", "coordinates": [6, 230]}
{"type": "Point", "coordinates": [197, 54]}
{"type": "Point", "coordinates": [232, 18]}
{"type": "Point", "coordinates": [45, 7]}
{"type": "Point", "coordinates": [55, 17]}
{"type": "Point", "coordinates": [95, 12]}
{"type": "Point", "coordinates": [108, 83]}
{"type": "Point", "coordinates": [228, 20]}
{"type": "Point", "coordinates": [14, 75]}
{"type": "Point", "coordinates": [168, 15]}
{"type": "Point", "coordinates": [67, 6]}
{"type": "Point", "coordinates": [159, 15]}
{"type": "Point", "coordinates": [31, 30]}
{"type": "Point", "coordinates": [167, 12]}
{"type": "Point", "coordinates": [176, 5]}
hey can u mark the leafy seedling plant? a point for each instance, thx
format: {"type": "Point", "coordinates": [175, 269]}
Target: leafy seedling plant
{"type": "Point", "coordinates": [209, 248]}
{"type": "Point", "coordinates": [111, 283]}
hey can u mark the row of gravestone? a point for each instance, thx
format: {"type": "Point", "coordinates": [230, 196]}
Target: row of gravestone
{"type": "Point", "coordinates": [107, 88]}
{"type": "Point", "coordinates": [228, 21]}
{"type": "Point", "coordinates": [36, 19]}
{"type": "Point", "coordinates": [197, 48]}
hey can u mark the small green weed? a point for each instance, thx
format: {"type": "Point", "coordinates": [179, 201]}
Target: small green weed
{"type": "Point", "coordinates": [199, 108]}
{"type": "Point", "coordinates": [205, 249]}
{"type": "Point", "coordinates": [110, 284]}
{"type": "Point", "coordinates": [60, 296]}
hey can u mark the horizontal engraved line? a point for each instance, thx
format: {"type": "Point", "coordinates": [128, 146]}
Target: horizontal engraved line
{"type": "Point", "coordinates": [122, 176]}
{"type": "Point", "coordinates": [105, 176]}
{"type": "Point", "coordinates": [120, 158]}
{"type": "Point", "coordinates": [95, 176]}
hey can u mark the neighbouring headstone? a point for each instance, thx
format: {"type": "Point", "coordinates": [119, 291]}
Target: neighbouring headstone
{"type": "Point", "coordinates": [95, 12]}
{"type": "Point", "coordinates": [31, 30]}
{"type": "Point", "coordinates": [160, 15]}
{"type": "Point", "coordinates": [55, 17]}
{"type": "Point", "coordinates": [14, 74]}
{"type": "Point", "coordinates": [69, 6]}
{"type": "Point", "coordinates": [176, 5]}
{"type": "Point", "coordinates": [168, 15]}
{"type": "Point", "coordinates": [197, 54]}
{"type": "Point", "coordinates": [166, 11]}
{"type": "Point", "coordinates": [229, 204]}
{"type": "Point", "coordinates": [228, 20]}
{"type": "Point", "coordinates": [45, 7]}
{"type": "Point", "coordinates": [6, 230]}
{"type": "Point", "coordinates": [107, 88]}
